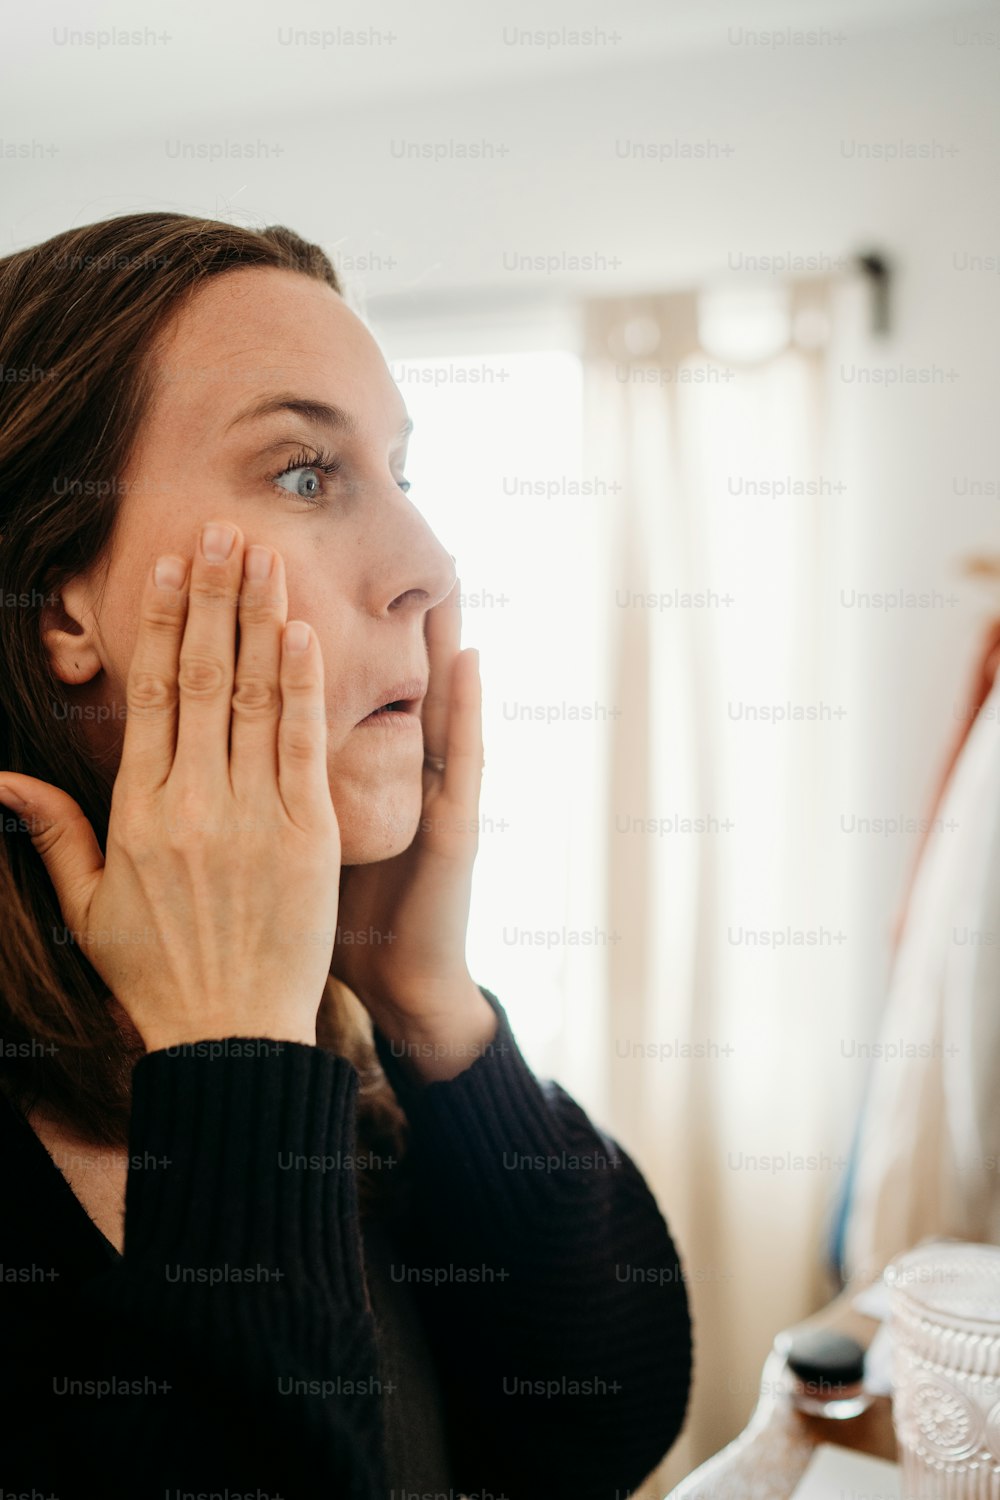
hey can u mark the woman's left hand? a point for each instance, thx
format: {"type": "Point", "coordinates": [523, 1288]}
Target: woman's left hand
{"type": "Point", "coordinates": [413, 909]}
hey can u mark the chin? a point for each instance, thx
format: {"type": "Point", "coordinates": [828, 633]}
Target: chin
{"type": "Point", "coordinates": [377, 821]}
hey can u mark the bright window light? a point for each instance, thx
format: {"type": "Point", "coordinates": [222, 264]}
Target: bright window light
{"type": "Point", "coordinates": [495, 469]}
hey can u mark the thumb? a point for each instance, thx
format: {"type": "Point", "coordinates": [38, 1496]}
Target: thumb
{"type": "Point", "coordinates": [63, 837]}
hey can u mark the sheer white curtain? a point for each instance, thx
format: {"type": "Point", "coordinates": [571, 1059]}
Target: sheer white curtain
{"type": "Point", "coordinates": [496, 470]}
{"type": "Point", "coordinates": [654, 535]}
{"type": "Point", "coordinates": [725, 996]}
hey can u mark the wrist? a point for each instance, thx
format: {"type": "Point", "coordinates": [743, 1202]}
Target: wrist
{"type": "Point", "coordinates": [438, 1041]}
{"type": "Point", "coordinates": [167, 1038]}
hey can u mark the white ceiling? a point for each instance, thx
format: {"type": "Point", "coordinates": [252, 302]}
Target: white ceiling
{"type": "Point", "coordinates": [234, 62]}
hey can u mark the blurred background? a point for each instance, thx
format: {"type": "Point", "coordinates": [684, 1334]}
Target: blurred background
{"type": "Point", "coordinates": [695, 309]}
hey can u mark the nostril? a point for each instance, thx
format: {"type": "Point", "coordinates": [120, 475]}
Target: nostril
{"type": "Point", "coordinates": [409, 597]}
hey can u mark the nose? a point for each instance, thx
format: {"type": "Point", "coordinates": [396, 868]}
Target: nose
{"type": "Point", "coordinates": [412, 569]}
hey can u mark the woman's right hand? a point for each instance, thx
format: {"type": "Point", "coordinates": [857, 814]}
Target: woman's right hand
{"type": "Point", "coordinates": [214, 911]}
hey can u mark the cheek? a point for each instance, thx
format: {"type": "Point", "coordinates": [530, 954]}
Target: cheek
{"type": "Point", "coordinates": [146, 528]}
{"type": "Point", "coordinates": [341, 650]}
{"type": "Point", "coordinates": [119, 618]}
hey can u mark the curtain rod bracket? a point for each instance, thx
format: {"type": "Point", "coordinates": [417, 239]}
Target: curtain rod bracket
{"type": "Point", "coordinates": [877, 269]}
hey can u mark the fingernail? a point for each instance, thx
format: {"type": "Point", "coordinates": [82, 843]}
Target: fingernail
{"type": "Point", "coordinates": [169, 572]}
{"type": "Point", "coordinates": [217, 542]}
{"type": "Point", "coordinates": [11, 799]}
{"type": "Point", "coordinates": [296, 635]}
{"type": "Point", "coordinates": [257, 563]}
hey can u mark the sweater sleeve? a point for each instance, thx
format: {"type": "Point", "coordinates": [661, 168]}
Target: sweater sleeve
{"type": "Point", "coordinates": [551, 1290]}
{"type": "Point", "coordinates": [232, 1348]}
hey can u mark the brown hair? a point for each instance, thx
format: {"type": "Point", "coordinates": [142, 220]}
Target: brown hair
{"type": "Point", "coordinates": [79, 315]}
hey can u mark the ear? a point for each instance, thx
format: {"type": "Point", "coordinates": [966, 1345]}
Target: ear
{"type": "Point", "coordinates": [69, 632]}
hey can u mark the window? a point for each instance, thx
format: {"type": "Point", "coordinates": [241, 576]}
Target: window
{"type": "Point", "coordinates": [495, 469]}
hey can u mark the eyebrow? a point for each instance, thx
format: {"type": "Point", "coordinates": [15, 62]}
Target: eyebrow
{"type": "Point", "coordinates": [318, 412]}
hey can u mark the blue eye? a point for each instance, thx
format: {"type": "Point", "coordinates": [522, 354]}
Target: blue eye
{"type": "Point", "coordinates": [308, 483]}
{"type": "Point", "coordinates": [307, 473]}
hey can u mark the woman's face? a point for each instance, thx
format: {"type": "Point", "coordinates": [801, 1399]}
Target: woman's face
{"type": "Point", "coordinates": [362, 565]}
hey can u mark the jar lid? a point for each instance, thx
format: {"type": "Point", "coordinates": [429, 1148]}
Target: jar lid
{"type": "Point", "coordinates": [951, 1280]}
{"type": "Point", "coordinates": [825, 1359]}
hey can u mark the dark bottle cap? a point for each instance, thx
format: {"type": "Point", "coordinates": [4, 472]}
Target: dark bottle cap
{"type": "Point", "coordinates": [825, 1359]}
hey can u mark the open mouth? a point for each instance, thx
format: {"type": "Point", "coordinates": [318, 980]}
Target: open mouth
{"type": "Point", "coordinates": [403, 708]}
{"type": "Point", "coordinates": [408, 694]}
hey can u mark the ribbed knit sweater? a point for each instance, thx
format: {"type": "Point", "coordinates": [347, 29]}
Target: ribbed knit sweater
{"type": "Point", "coordinates": [233, 1349]}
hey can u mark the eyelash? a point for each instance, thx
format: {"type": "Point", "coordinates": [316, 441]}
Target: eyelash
{"type": "Point", "coordinates": [323, 463]}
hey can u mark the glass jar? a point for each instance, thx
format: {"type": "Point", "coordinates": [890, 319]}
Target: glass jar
{"type": "Point", "coordinates": [944, 1301]}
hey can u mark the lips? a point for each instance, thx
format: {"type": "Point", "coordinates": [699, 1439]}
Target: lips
{"type": "Point", "coordinates": [404, 696]}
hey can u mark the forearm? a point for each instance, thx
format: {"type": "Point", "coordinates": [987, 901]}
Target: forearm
{"type": "Point", "coordinates": [549, 1283]}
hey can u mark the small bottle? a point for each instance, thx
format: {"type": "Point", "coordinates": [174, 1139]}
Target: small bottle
{"type": "Point", "coordinates": [828, 1372]}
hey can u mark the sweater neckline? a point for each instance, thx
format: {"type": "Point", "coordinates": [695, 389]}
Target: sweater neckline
{"type": "Point", "coordinates": [52, 1199]}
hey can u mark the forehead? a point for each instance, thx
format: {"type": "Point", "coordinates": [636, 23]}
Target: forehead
{"type": "Point", "coordinates": [250, 334]}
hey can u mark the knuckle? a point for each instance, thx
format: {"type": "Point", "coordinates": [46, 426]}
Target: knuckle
{"type": "Point", "coordinates": [149, 692]}
{"type": "Point", "coordinates": [256, 697]}
{"type": "Point", "coordinates": [163, 616]}
{"type": "Point", "coordinates": [298, 743]}
{"type": "Point", "coordinates": [259, 602]}
{"type": "Point", "coordinates": [188, 818]}
{"type": "Point", "coordinates": [47, 837]}
{"type": "Point", "coordinates": [301, 680]}
{"type": "Point", "coordinates": [201, 676]}
{"type": "Point", "coordinates": [212, 593]}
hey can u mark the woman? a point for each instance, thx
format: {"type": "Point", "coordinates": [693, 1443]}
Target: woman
{"type": "Point", "coordinates": [285, 1209]}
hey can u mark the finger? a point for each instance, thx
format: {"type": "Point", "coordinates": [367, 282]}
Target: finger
{"type": "Point", "coordinates": [256, 706]}
{"type": "Point", "coordinates": [463, 756]}
{"type": "Point", "coordinates": [64, 839]}
{"type": "Point", "coordinates": [303, 779]}
{"type": "Point", "coordinates": [151, 690]}
{"type": "Point", "coordinates": [207, 656]}
{"type": "Point", "coordinates": [443, 630]}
